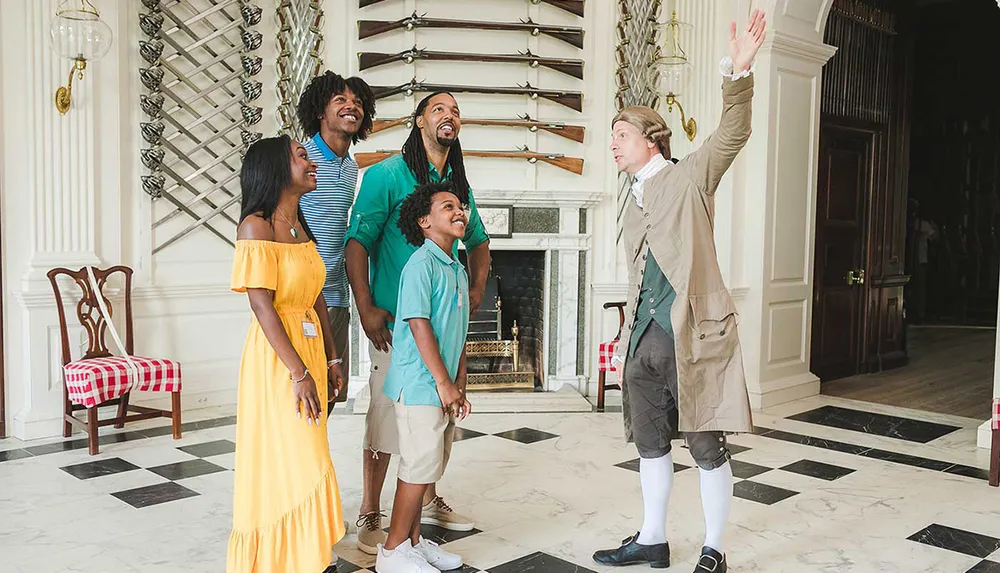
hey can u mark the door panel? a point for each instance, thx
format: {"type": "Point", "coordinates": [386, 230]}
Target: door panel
{"type": "Point", "coordinates": [845, 183]}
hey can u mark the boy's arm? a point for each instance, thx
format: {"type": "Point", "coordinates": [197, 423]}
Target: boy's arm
{"type": "Point", "coordinates": [430, 353]}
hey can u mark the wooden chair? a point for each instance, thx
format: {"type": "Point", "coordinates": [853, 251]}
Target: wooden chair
{"type": "Point", "coordinates": [100, 378]}
{"type": "Point", "coordinates": [995, 445]}
{"type": "Point", "coordinates": [607, 350]}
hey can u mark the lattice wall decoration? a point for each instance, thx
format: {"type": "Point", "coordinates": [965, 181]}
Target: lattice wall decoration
{"type": "Point", "coordinates": [300, 43]}
{"type": "Point", "coordinates": [200, 59]}
{"type": "Point", "coordinates": [637, 74]}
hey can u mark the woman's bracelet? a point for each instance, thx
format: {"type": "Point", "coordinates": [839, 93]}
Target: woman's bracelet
{"type": "Point", "coordinates": [334, 361]}
{"type": "Point", "coordinates": [304, 375]}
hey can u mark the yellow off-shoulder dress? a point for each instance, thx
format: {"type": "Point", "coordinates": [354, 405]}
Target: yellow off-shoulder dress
{"type": "Point", "coordinates": [286, 503]}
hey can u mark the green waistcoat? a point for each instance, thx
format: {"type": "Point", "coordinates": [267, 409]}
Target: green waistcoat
{"type": "Point", "coordinates": [655, 298]}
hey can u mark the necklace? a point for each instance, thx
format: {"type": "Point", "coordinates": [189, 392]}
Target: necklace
{"type": "Point", "coordinates": [291, 228]}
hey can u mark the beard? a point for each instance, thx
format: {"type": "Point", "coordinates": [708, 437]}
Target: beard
{"type": "Point", "coordinates": [446, 141]}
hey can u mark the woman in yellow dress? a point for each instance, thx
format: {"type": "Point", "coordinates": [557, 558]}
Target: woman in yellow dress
{"type": "Point", "coordinates": [286, 508]}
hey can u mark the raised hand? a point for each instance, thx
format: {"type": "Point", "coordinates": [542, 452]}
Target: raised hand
{"type": "Point", "coordinates": [743, 48]}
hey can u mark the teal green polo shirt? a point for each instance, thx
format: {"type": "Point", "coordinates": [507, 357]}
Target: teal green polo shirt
{"type": "Point", "coordinates": [435, 286]}
{"type": "Point", "coordinates": [373, 224]}
{"type": "Point", "coordinates": [656, 297]}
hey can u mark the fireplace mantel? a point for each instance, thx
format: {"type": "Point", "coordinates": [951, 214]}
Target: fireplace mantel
{"type": "Point", "coordinates": [570, 198]}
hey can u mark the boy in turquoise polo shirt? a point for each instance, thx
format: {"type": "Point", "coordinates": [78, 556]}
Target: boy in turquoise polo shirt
{"type": "Point", "coordinates": [426, 378]}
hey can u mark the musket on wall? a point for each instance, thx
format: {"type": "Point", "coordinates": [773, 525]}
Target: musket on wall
{"type": "Point", "coordinates": [571, 164]}
{"type": "Point", "coordinates": [571, 132]}
{"type": "Point", "coordinates": [570, 99]}
{"type": "Point", "coordinates": [571, 6]}
{"type": "Point", "coordinates": [570, 34]}
{"type": "Point", "coordinates": [572, 67]}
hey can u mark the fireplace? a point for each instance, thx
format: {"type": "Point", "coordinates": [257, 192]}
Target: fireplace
{"type": "Point", "coordinates": [517, 281]}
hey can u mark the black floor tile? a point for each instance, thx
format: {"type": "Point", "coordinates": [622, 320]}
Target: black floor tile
{"type": "Point", "coordinates": [819, 470]}
{"type": "Point", "coordinates": [761, 492]}
{"type": "Point", "coordinates": [815, 442]}
{"type": "Point", "coordinates": [342, 566]}
{"type": "Point", "coordinates": [526, 435]}
{"type": "Point", "coordinates": [985, 567]}
{"type": "Point", "coordinates": [744, 470]}
{"type": "Point", "coordinates": [99, 468]}
{"type": "Point", "coordinates": [10, 455]}
{"type": "Point", "coordinates": [441, 535]}
{"type": "Point", "coordinates": [909, 460]}
{"type": "Point", "coordinates": [875, 424]}
{"type": "Point", "coordinates": [539, 563]}
{"type": "Point", "coordinates": [734, 449]}
{"type": "Point", "coordinates": [188, 469]}
{"type": "Point", "coordinates": [968, 471]}
{"type": "Point", "coordinates": [209, 449]}
{"type": "Point", "coordinates": [66, 446]}
{"type": "Point", "coordinates": [958, 540]}
{"type": "Point", "coordinates": [208, 424]}
{"type": "Point", "coordinates": [155, 494]}
{"type": "Point", "coordinates": [466, 434]}
{"type": "Point", "coordinates": [634, 466]}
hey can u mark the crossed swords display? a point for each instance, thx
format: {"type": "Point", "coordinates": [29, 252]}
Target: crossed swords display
{"type": "Point", "coordinates": [229, 47]}
{"type": "Point", "coordinates": [300, 42]}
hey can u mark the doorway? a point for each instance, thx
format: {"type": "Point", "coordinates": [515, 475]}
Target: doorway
{"type": "Point", "coordinates": [906, 85]}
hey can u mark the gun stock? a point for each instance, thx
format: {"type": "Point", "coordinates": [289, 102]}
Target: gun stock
{"type": "Point", "coordinates": [571, 164]}
{"type": "Point", "coordinates": [367, 3]}
{"type": "Point", "coordinates": [573, 132]}
{"type": "Point", "coordinates": [575, 39]}
{"type": "Point", "coordinates": [384, 124]}
{"type": "Point", "coordinates": [368, 60]}
{"type": "Point", "coordinates": [574, 69]}
{"type": "Point", "coordinates": [369, 158]}
{"type": "Point", "coordinates": [369, 28]}
{"type": "Point", "coordinates": [572, 100]}
{"type": "Point", "coordinates": [571, 6]}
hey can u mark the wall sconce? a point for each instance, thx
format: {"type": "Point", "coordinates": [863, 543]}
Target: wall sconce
{"type": "Point", "coordinates": [79, 35]}
{"type": "Point", "coordinates": [676, 68]}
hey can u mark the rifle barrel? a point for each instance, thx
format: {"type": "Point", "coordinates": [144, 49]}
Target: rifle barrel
{"type": "Point", "coordinates": [570, 34]}
{"type": "Point", "coordinates": [570, 99]}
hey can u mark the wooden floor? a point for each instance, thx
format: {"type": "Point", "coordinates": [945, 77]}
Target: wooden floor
{"type": "Point", "coordinates": [950, 372]}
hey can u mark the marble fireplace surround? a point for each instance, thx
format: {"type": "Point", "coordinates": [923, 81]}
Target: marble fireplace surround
{"type": "Point", "coordinates": [553, 222]}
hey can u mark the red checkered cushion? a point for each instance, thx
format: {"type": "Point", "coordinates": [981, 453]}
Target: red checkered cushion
{"type": "Point", "coordinates": [607, 350]}
{"type": "Point", "coordinates": [996, 414]}
{"type": "Point", "coordinates": [97, 380]}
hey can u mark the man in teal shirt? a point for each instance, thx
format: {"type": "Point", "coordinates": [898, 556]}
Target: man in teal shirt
{"type": "Point", "coordinates": [432, 153]}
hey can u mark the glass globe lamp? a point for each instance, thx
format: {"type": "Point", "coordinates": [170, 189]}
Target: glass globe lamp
{"type": "Point", "coordinates": [79, 35]}
{"type": "Point", "coordinates": [675, 68]}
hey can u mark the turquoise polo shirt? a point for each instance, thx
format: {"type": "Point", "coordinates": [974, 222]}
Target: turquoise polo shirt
{"type": "Point", "coordinates": [384, 186]}
{"type": "Point", "coordinates": [435, 286]}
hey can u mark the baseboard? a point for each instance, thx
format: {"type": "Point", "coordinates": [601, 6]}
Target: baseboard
{"type": "Point", "coordinates": [984, 436]}
{"type": "Point", "coordinates": [784, 390]}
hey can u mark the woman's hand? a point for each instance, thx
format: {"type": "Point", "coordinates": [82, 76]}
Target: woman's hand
{"type": "Point", "coordinates": [307, 399]}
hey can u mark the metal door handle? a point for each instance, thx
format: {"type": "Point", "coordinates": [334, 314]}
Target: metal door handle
{"type": "Point", "coordinates": [856, 277]}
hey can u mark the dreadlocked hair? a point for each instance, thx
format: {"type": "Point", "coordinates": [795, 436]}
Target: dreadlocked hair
{"type": "Point", "coordinates": [319, 92]}
{"type": "Point", "coordinates": [415, 156]}
{"type": "Point", "coordinates": [418, 205]}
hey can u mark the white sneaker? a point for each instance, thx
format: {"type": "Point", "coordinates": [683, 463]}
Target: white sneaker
{"type": "Point", "coordinates": [403, 559]}
{"type": "Point", "coordinates": [437, 557]}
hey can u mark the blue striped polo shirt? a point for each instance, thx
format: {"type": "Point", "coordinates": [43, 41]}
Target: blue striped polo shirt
{"type": "Point", "coordinates": [325, 210]}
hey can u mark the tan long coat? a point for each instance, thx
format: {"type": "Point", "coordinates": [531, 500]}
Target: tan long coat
{"type": "Point", "coordinates": [675, 223]}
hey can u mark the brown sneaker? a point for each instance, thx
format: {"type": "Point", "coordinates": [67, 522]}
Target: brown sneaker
{"type": "Point", "coordinates": [370, 534]}
{"type": "Point", "coordinates": [438, 513]}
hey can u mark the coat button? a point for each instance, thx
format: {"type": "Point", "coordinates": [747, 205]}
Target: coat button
{"type": "Point", "coordinates": [652, 311]}
{"type": "Point", "coordinates": [701, 337]}
{"type": "Point", "coordinates": [646, 215]}
{"type": "Point", "coordinates": [648, 227]}
{"type": "Point", "coordinates": [644, 257]}
{"type": "Point", "coordinates": [722, 333]}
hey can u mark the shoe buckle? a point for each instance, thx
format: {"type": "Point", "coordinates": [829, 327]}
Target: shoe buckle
{"type": "Point", "coordinates": [715, 563]}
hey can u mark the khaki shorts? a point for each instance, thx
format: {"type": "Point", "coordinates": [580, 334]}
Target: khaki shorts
{"type": "Point", "coordinates": [340, 325]}
{"type": "Point", "coordinates": [425, 438]}
{"type": "Point", "coordinates": [381, 433]}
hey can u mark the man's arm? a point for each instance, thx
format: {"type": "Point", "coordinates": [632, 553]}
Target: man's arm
{"type": "Point", "coordinates": [710, 162]}
{"type": "Point", "coordinates": [368, 219]}
{"type": "Point", "coordinates": [477, 243]}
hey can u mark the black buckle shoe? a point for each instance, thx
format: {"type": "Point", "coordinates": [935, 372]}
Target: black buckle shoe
{"type": "Point", "coordinates": [632, 553]}
{"type": "Point", "coordinates": [711, 561]}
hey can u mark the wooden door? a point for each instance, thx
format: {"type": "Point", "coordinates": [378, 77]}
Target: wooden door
{"type": "Point", "coordinates": [845, 186]}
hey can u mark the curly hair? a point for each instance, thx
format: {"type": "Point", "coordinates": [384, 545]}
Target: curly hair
{"type": "Point", "coordinates": [321, 90]}
{"type": "Point", "coordinates": [415, 155]}
{"type": "Point", "coordinates": [650, 123]}
{"type": "Point", "coordinates": [417, 205]}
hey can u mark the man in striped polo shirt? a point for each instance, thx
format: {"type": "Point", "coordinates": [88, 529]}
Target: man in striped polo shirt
{"type": "Point", "coordinates": [334, 113]}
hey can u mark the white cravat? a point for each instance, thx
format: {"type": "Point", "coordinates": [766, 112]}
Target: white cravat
{"type": "Point", "coordinates": [652, 167]}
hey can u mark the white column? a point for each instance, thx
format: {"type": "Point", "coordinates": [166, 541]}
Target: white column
{"type": "Point", "coordinates": [50, 186]}
{"type": "Point", "coordinates": [567, 301]}
{"type": "Point", "coordinates": [778, 177]}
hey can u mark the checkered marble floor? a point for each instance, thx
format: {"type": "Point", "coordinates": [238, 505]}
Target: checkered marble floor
{"type": "Point", "coordinates": [822, 485]}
